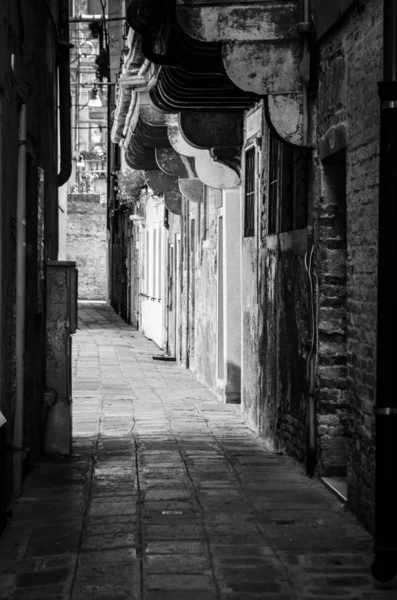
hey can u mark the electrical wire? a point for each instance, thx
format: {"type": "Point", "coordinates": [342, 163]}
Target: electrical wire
{"type": "Point", "coordinates": [313, 310]}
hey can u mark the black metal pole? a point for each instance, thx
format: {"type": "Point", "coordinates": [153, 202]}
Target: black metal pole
{"type": "Point", "coordinates": [384, 566]}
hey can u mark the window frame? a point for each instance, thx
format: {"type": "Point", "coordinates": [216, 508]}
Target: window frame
{"type": "Point", "coordinates": [249, 228]}
{"type": "Point", "coordinates": [286, 187]}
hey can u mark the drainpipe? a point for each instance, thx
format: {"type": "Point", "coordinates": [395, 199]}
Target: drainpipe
{"type": "Point", "coordinates": [64, 96]}
{"type": "Point", "coordinates": [384, 566]}
{"type": "Point", "coordinates": [20, 304]}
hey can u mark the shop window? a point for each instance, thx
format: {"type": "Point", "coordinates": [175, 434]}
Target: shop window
{"type": "Point", "coordinates": [249, 193]}
{"type": "Point", "coordinates": [287, 195]}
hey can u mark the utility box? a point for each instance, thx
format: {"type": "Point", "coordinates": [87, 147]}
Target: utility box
{"type": "Point", "coordinates": [61, 323]}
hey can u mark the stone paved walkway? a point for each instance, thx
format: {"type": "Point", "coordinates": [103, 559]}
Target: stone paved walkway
{"type": "Point", "coordinates": [169, 496]}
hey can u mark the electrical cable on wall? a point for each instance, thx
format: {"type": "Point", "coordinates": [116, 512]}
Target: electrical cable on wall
{"type": "Point", "coordinates": [313, 309]}
{"type": "Point", "coordinates": [311, 365]}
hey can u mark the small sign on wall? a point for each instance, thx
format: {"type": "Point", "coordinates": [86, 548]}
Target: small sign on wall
{"type": "Point", "coordinates": [253, 122]}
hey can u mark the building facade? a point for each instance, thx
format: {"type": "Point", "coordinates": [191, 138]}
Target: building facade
{"type": "Point", "coordinates": [34, 76]}
{"type": "Point", "coordinates": [260, 127]}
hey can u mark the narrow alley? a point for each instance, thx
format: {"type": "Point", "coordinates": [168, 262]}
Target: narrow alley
{"type": "Point", "coordinates": [168, 495]}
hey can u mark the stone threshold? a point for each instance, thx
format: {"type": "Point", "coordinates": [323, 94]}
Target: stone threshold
{"type": "Point", "coordinates": [337, 485]}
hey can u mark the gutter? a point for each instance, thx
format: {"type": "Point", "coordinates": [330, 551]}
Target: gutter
{"type": "Point", "coordinates": [384, 566]}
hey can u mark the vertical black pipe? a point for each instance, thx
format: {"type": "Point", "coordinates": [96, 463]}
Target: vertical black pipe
{"type": "Point", "coordinates": [65, 104]}
{"type": "Point", "coordinates": [384, 566]}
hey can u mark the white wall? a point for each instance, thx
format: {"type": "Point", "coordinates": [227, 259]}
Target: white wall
{"type": "Point", "coordinates": [152, 242]}
{"type": "Point", "coordinates": [232, 294]}
{"type": "Point", "coordinates": [62, 221]}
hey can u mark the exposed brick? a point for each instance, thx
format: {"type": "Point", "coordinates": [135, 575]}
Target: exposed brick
{"type": "Point", "coordinates": [350, 67]}
{"type": "Point", "coordinates": [87, 244]}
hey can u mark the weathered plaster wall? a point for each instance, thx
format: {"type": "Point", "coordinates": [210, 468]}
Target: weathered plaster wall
{"type": "Point", "coordinates": [62, 220]}
{"type": "Point", "coordinates": [87, 244]}
{"type": "Point", "coordinates": [191, 256]}
{"type": "Point", "coordinates": [292, 291]}
{"type": "Point", "coordinates": [134, 275]}
{"type": "Point", "coordinates": [350, 67]}
{"type": "Point", "coordinates": [171, 326]}
{"type": "Point", "coordinates": [283, 343]}
{"type": "Point", "coordinates": [206, 293]}
{"type": "Point", "coordinates": [250, 369]}
{"type": "Point", "coordinates": [184, 304]}
{"type": "Point", "coordinates": [232, 294]}
{"type": "Point", "coordinates": [274, 287]}
{"type": "Point", "coordinates": [152, 286]}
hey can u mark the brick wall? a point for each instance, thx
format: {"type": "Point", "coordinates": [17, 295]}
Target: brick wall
{"type": "Point", "coordinates": [87, 243]}
{"type": "Point", "coordinates": [332, 398]}
{"type": "Point", "coordinates": [350, 67]}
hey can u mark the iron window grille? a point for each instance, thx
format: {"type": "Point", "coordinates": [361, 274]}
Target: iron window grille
{"type": "Point", "coordinates": [249, 193]}
{"type": "Point", "coordinates": [287, 196]}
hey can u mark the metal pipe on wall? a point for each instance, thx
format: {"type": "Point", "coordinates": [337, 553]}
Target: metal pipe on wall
{"type": "Point", "coordinates": [65, 104]}
{"type": "Point", "coordinates": [384, 566]}
{"type": "Point", "coordinates": [20, 305]}
{"type": "Point", "coordinates": [311, 418]}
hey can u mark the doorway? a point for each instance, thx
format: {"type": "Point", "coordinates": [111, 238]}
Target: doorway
{"type": "Point", "coordinates": [332, 401]}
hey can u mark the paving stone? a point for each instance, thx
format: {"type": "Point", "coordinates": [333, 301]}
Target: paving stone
{"type": "Point", "coordinates": [43, 578]}
{"type": "Point", "coordinates": [262, 594]}
{"type": "Point", "coordinates": [177, 563]}
{"type": "Point", "coordinates": [105, 541]}
{"type": "Point", "coordinates": [174, 547]}
{"type": "Point", "coordinates": [167, 484]}
{"type": "Point", "coordinates": [43, 593]}
{"type": "Point", "coordinates": [101, 508]}
{"type": "Point", "coordinates": [179, 582]}
{"type": "Point", "coordinates": [57, 543]}
{"type": "Point", "coordinates": [180, 595]}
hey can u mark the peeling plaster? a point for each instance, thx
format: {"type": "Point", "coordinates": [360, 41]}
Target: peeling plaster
{"type": "Point", "coordinates": [286, 116]}
{"type": "Point", "coordinates": [215, 174]}
{"type": "Point", "coordinates": [244, 22]}
{"type": "Point", "coordinates": [192, 189]}
{"type": "Point", "coordinates": [263, 67]}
